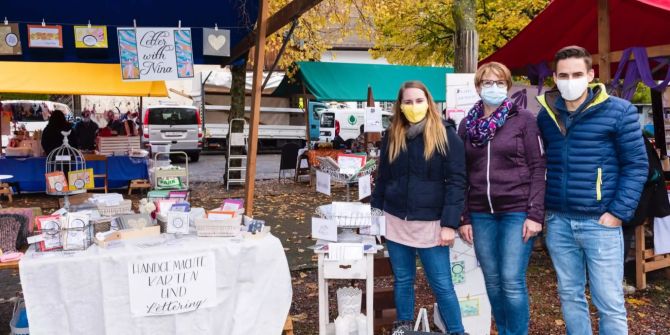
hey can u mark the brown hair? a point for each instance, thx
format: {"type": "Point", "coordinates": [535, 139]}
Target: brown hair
{"type": "Point", "coordinates": [434, 134]}
{"type": "Point", "coordinates": [573, 51]}
{"type": "Point", "coordinates": [498, 69]}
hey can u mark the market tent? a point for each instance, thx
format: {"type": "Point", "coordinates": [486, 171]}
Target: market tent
{"type": "Point", "coordinates": [237, 16]}
{"type": "Point", "coordinates": [73, 78]}
{"type": "Point", "coordinates": [632, 23]}
{"type": "Point", "coordinates": [350, 82]}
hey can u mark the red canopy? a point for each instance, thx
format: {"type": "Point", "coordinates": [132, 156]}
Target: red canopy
{"type": "Point", "coordinates": [633, 23]}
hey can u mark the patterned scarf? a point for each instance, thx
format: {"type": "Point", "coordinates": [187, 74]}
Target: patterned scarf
{"type": "Point", "coordinates": [480, 129]}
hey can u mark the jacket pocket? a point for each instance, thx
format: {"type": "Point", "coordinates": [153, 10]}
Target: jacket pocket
{"type": "Point", "coordinates": [599, 182]}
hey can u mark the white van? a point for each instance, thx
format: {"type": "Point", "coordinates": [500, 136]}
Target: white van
{"type": "Point", "coordinates": [179, 126]}
{"type": "Point", "coordinates": [350, 121]}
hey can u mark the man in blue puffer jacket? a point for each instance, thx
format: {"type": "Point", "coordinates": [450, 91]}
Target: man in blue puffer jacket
{"type": "Point", "coordinates": [596, 169]}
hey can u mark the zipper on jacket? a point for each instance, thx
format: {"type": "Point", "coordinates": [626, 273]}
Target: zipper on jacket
{"type": "Point", "coordinates": [599, 183]}
{"type": "Point", "coordinates": [488, 178]}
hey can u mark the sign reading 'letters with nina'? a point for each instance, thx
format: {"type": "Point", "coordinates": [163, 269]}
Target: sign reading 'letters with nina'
{"type": "Point", "coordinates": [171, 285]}
{"type": "Point", "coordinates": [148, 54]}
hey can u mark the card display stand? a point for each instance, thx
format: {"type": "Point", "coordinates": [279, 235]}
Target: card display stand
{"type": "Point", "coordinates": [182, 174]}
{"type": "Point", "coordinates": [360, 269]}
{"type": "Point", "coordinates": [645, 259]}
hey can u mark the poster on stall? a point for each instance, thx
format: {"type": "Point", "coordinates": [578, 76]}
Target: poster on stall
{"type": "Point", "coordinates": [468, 279]}
{"type": "Point", "coordinates": [148, 54]}
{"type": "Point", "coordinates": [171, 284]}
{"type": "Point", "coordinates": [10, 43]}
{"type": "Point", "coordinates": [86, 37]}
{"type": "Point", "coordinates": [40, 36]}
{"type": "Point", "coordinates": [373, 120]}
{"type": "Point", "coordinates": [461, 95]}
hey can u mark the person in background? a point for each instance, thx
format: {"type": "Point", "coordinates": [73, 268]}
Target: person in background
{"type": "Point", "coordinates": [112, 127]}
{"type": "Point", "coordinates": [420, 187]}
{"type": "Point", "coordinates": [52, 137]}
{"type": "Point", "coordinates": [596, 170]}
{"type": "Point", "coordinates": [505, 198]}
{"type": "Point", "coordinates": [338, 141]}
{"type": "Point", "coordinates": [85, 131]}
{"type": "Point", "coordinates": [359, 144]}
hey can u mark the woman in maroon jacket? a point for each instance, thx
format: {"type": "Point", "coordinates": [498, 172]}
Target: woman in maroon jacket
{"type": "Point", "coordinates": [504, 208]}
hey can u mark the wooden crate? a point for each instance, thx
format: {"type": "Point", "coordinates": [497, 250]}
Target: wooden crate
{"type": "Point", "coordinates": [119, 145]}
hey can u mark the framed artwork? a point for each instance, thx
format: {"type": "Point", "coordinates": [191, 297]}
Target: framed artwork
{"type": "Point", "coordinates": [10, 43]}
{"type": "Point", "coordinates": [45, 36]}
{"type": "Point", "coordinates": [90, 37]}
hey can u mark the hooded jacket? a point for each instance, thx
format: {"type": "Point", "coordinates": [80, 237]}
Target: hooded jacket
{"type": "Point", "coordinates": [507, 174]}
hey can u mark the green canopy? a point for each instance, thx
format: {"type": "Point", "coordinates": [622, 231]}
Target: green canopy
{"type": "Point", "coordinates": [349, 82]}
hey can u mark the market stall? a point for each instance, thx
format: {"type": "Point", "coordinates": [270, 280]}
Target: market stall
{"type": "Point", "coordinates": [28, 173]}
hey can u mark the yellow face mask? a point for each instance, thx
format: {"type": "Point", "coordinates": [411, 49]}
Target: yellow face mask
{"type": "Point", "coordinates": [414, 113]}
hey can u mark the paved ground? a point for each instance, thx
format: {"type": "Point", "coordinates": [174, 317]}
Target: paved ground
{"type": "Point", "coordinates": [210, 168]}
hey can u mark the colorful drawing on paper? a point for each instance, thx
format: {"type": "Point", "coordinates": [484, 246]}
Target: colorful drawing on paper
{"type": "Point", "coordinates": [184, 51]}
{"type": "Point", "coordinates": [10, 43]}
{"type": "Point", "coordinates": [130, 65]}
{"type": "Point", "coordinates": [458, 272]}
{"type": "Point", "coordinates": [90, 37]}
{"type": "Point", "coordinates": [469, 307]}
{"type": "Point", "coordinates": [45, 36]}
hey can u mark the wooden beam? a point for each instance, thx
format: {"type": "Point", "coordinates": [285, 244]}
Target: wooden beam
{"type": "Point", "coordinates": [259, 56]}
{"type": "Point", "coordinates": [604, 41]}
{"type": "Point", "coordinates": [284, 16]}
{"type": "Point", "coordinates": [655, 51]}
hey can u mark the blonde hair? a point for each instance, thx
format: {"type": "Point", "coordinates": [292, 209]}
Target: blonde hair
{"type": "Point", "coordinates": [496, 68]}
{"type": "Point", "coordinates": [434, 134]}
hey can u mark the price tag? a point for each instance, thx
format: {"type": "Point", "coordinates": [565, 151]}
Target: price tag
{"type": "Point", "coordinates": [35, 239]}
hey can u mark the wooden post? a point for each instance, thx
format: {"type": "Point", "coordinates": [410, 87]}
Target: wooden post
{"type": "Point", "coordinates": [640, 275]}
{"type": "Point", "coordinates": [604, 42]}
{"type": "Point", "coordinates": [259, 56]}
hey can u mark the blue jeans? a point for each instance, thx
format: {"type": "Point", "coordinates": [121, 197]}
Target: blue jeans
{"type": "Point", "coordinates": [578, 246]}
{"type": "Point", "coordinates": [504, 257]}
{"type": "Point", "coordinates": [437, 266]}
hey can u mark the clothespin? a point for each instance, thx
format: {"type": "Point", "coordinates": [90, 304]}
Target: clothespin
{"type": "Point", "coordinates": [216, 26]}
{"type": "Point", "coordinates": [89, 24]}
{"type": "Point", "coordinates": [6, 22]}
{"type": "Point", "coordinates": [43, 23]}
{"type": "Point", "coordinates": [179, 25]}
{"type": "Point", "coordinates": [134, 24]}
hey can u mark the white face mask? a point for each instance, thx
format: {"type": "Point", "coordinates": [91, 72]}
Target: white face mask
{"type": "Point", "coordinates": [572, 89]}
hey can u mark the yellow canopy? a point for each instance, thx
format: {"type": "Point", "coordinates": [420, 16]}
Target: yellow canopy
{"type": "Point", "coordinates": [73, 78]}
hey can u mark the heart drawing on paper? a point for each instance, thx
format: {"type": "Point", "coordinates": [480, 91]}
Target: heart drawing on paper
{"type": "Point", "coordinates": [217, 42]}
{"type": "Point", "coordinates": [136, 223]}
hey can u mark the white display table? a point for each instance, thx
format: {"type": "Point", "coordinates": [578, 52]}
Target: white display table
{"type": "Point", "coordinates": [88, 292]}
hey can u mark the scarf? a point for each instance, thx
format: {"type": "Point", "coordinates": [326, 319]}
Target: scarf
{"type": "Point", "coordinates": [481, 129]}
{"type": "Point", "coordinates": [415, 129]}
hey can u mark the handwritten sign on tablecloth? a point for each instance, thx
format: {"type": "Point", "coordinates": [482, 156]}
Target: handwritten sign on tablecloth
{"type": "Point", "coordinates": [171, 285]}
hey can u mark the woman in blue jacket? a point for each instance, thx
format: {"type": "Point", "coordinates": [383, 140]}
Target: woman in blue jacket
{"type": "Point", "coordinates": [420, 187]}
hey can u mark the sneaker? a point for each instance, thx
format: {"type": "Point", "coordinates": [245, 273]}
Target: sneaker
{"type": "Point", "coordinates": [400, 327]}
{"type": "Point", "coordinates": [628, 289]}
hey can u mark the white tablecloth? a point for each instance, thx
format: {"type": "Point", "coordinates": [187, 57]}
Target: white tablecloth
{"type": "Point", "coordinates": [87, 292]}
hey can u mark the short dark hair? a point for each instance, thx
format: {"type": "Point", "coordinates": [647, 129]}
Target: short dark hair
{"type": "Point", "coordinates": [573, 51]}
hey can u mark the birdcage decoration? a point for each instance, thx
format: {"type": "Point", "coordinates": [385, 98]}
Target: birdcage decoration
{"type": "Point", "coordinates": [62, 160]}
